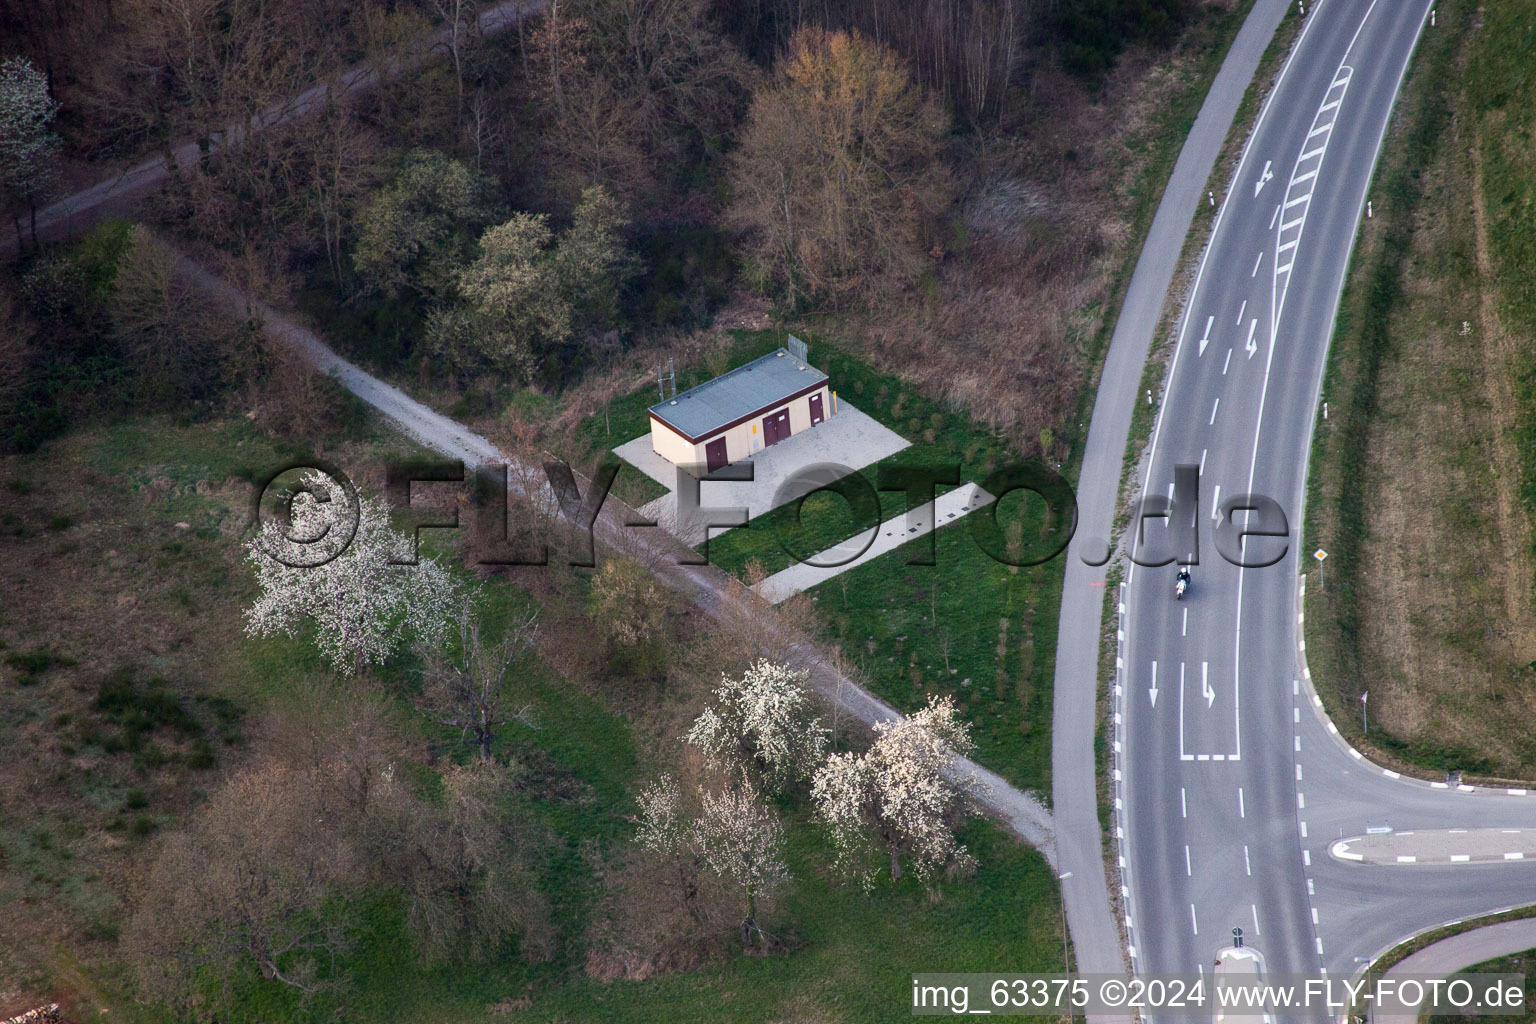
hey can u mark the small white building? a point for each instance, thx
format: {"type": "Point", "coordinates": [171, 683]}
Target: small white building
{"type": "Point", "coordinates": [741, 412]}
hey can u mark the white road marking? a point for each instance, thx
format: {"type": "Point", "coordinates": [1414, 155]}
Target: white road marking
{"type": "Point", "coordinates": [1263, 179]}
{"type": "Point", "coordinates": [1319, 150]}
{"type": "Point", "coordinates": [1185, 630]}
{"type": "Point", "coordinates": [1202, 457]}
{"type": "Point", "coordinates": [1256, 262]}
{"type": "Point", "coordinates": [1240, 311]}
{"type": "Point", "coordinates": [1205, 339]}
{"type": "Point", "coordinates": [1193, 923]}
{"type": "Point", "coordinates": [1306, 859]}
{"type": "Point", "coordinates": [1205, 685]}
{"type": "Point", "coordinates": [1250, 345]}
{"type": "Point", "coordinates": [1310, 890]}
{"type": "Point", "coordinates": [1256, 929]}
{"type": "Point", "coordinates": [1188, 871]}
{"type": "Point", "coordinates": [1303, 830]}
{"type": "Point", "coordinates": [1246, 866]}
{"type": "Point", "coordinates": [1298, 744]}
{"type": "Point", "coordinates": [1314, 915]}
{"type": "Point", "coordinates": [1182, 756]}
{"type": "Point", "coordinates": [1301, 801]}
{"type": "Point", "coordinates": [1296, 717]}
{"type": "Point", "coordinates": [1298, 773]}
{"type": "Point", "coordinates": [1216, 504]}
{"type": "Point", "coordinates": [1272, 218]}
{"type": "Point", "coordinates": [1319, 947]}
{"type": "Point", "coordinates": [1183, 804]}
{"type": "Point", "coordinates": [1153, 690]}
{"type": "Point", "coordinates": [1214, 407]}
{"type": "Point", "coordinates": [1227, 363]}
{"type": "Point", "coordinates": [1241, 812]}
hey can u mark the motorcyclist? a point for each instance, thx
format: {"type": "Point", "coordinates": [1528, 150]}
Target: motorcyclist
{"type": "Point", "coordinates": [1181, 582]}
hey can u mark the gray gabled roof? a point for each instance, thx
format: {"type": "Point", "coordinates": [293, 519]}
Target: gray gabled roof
{"type": "Point", "coordinates": [754, 387]}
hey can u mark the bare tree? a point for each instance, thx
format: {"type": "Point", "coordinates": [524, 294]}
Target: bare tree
{"type": "Point", "coordinates": [252, 882]}
{"type": "Point", "coordinates": [467, 691]}
{"type": "Point", "coordinates": [466, 874]}
{"type": "Point", "coordinates": [838, 179]}
{"type": "Point", "coordinates": [462, 21]}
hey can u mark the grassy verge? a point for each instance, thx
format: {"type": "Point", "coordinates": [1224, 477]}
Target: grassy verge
{"type": "Point", "coordinates": [1397, 954]}
{"type": "Point", "coordinates": [1215, 39]}
{"type": "Point", "coordinates": [969, 627]}
{"type": "Point", "coordinates": [1517, 963]}
{"type": "Point", "coordinates": [1428, 591]}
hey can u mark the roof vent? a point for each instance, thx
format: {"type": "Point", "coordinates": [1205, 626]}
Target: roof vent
{"type": "Point", "coordinates": [778, 353]}
{"type": "Point", "coordinates": [800, 367]}
{"type": "Point", "coordinates": [673, 402]}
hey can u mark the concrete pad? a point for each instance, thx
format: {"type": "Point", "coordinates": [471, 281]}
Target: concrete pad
{"type": "Point", "coordinates": [839, 445]}
{"type": "Point", "coordinates": [1438, 846]}
{"type": "Point", "coordinates": [889, 535]}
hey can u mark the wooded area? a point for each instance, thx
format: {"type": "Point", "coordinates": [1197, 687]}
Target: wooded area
{"type": "Point", "coordinates": [265, 794]}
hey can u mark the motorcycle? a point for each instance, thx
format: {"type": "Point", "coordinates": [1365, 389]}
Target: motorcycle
{"type": "Point", "coordinates": [1181, 585]}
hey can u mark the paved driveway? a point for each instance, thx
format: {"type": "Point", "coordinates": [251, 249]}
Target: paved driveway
{"type": "Point", "coordinates": [839, 445]}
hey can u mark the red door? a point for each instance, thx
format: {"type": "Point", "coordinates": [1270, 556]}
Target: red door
{"type": "Point", "coordinates": [714, 453]}
{"type": "Point", "coordinates": [775, 427]}
{"type": "Point", "coordinates": [816, 416]}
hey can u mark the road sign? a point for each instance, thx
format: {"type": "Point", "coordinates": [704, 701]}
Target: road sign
{"type": "Point", "coordinates": [1319, 554]}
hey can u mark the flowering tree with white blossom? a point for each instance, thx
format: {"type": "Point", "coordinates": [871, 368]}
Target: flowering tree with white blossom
{"type": "Point", "coordinates": [734, 835]}
{"type": "Point", "coordinates": [29, 149]}
{"type": "Point", "coordinates": [762, 727]}
{"type": "Point", "coordinates": [903, 796]}
{"type": "Point", "coordinates": [361, 605]}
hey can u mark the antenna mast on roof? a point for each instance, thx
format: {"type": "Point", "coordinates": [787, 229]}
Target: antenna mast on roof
{"type": "Point", "coordinates": [662, 379]}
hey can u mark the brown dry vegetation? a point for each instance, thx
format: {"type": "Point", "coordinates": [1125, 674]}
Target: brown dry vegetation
{"type": "Point", "coordinates": [122, 562]}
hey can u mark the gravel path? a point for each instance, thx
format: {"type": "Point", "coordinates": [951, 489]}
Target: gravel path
{"type": "Point", "coordinates": [117, 194]}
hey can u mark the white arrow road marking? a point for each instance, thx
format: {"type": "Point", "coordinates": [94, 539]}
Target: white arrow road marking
{"type": "Point", "coordinates": [1205, 686]}
{"type": "Point", "coordinates": [1263, 179]}
{"type": "Point", "coordinates": [1153, 691]}
{"type": "Point", "coordinates": [1251, 345]}
{"type": "Point", "coordinates": [1206, 340]}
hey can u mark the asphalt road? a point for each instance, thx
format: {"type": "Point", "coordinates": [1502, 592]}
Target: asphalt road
{"type": "Point", "coordinates": [1074, 773]}
{"type": "Point", "coordinates": [1233, 782]}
